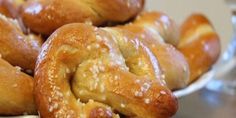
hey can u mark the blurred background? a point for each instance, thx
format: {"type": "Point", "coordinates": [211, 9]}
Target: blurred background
{"type": "Point", "coordinates": [216, 10]}
{"type": "Point", "coordinates": [218, 98]}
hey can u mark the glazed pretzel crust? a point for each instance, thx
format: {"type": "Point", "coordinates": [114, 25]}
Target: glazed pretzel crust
{"type": "Point", "coordinates": [16, 47]}
{"type": "Point", "coordinates": [56, 13]}
{"type": "Point", "coordinates": [10, 8]}
{"type": "Point", "coordinates": [16, 90]}
{"type": "Point", "coordinates": [200, 44]}
{"type": "Point", "coordinates": [159, 32]}
{"type": "Point", "coordinates": [100, 64]}
{"type": "Point", "coordinates": [16, 87]}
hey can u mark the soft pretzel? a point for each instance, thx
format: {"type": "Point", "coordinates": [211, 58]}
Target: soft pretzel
{"type": "Point", "coordinates": [154, 22]}
{"type": "Point", "coordinates": [16, 47]}
{"type": "Point", "coordinates": [113, 67]}
{"type": "Point", "coordinates": [4, 10]}
{"type": "Point", "coordinates": [37, 14]}
{"type": "Point", "coordinates": [200, 44]}
{"type": "Point", "coordinates": [157, 28]}
{"type": "Point", "coordinates": [16, 89]}
{"type": "Point", "coordinates": [10, 8]}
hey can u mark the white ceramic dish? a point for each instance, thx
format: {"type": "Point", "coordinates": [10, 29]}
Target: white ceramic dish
{"type": "Point", "coordinates": [200, 83]}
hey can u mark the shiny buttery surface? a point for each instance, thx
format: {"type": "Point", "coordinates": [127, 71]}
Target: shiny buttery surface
{"type": "Point", "coordinates": [56, 13]}
{"type": "Point", "coordinates": [16, 89]}
{"type": "Point", "coordinates": [99, 55]}
{"type": "Point", "coordinates": [200, 44]}
{"type": "Point", "coordinates": [16, 47]}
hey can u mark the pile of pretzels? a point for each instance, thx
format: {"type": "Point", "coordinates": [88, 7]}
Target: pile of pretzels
{"type": "Point", "coordinates": [98, 58]}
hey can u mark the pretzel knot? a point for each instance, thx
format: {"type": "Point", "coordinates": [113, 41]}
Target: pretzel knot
{"type": "Point", "coordinates": [84, 71]}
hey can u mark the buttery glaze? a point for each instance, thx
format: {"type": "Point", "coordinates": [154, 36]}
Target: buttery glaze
{"type": "Point", "coordinates": [16, 90]}
{"type": "Point", "coordinates": [200, 44]}
{"type": "Point", "coordinates": [10, 8]}
{"type": "Point", "coordinates": [16, 47]}
{"type": "Point", "coordinates": [113, 67]}
{"type": "Point", "coordinates": [56, 13]}
{"type": "Point", "coordinates": [158, 30]}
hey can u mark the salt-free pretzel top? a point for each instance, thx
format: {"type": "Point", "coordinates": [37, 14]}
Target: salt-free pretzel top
{"type": "Point", "coordinates": [45, 16]}
{"type": "Point", "coordinates": [80, 63]}
{"type": "Point", "coordinates": [16, 47]}
{"type": "Point", "coordinates": [200, 44]}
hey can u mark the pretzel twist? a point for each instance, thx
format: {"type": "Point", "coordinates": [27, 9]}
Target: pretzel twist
{"type": "Point", "coordinates": [55, 13]}
{"type": "Point", "coordinates": [200, 44]}
{"type": "Point", "coordinates": [159, 32]}
{"type": "Point", "coordinates": [111, 66]}
{"type": "Point", "coordinates": [16, 47]}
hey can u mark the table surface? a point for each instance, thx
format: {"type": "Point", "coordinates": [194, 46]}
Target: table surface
{"type": "Point", "coordinates": [207, 104]}
{"type": "Point", "coordinates": [210, 103]}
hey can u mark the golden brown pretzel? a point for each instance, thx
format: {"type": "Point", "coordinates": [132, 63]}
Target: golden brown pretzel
{"type": "Point", "coordinates": [37, 14]}
{"type": "Point", "coordinates": [16, 89]}
{"type": "Point", "coordinates": [157, 28]}
{"type": "Point", "coordinates": [10, 8]}
{"type": "Point", "coordinates": [156, 23]}
{"type": "Point", "coordinates": [16, 47]}
{"type": "Point", "coordinates": [3, 9]}
{"type": "Point", "coordinates": [111, 66]}
{"type": "Point", "coordinates": [200, 44]}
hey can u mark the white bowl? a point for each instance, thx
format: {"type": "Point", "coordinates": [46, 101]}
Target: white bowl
{"type": "Point", "coordinates": [197, 85]}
